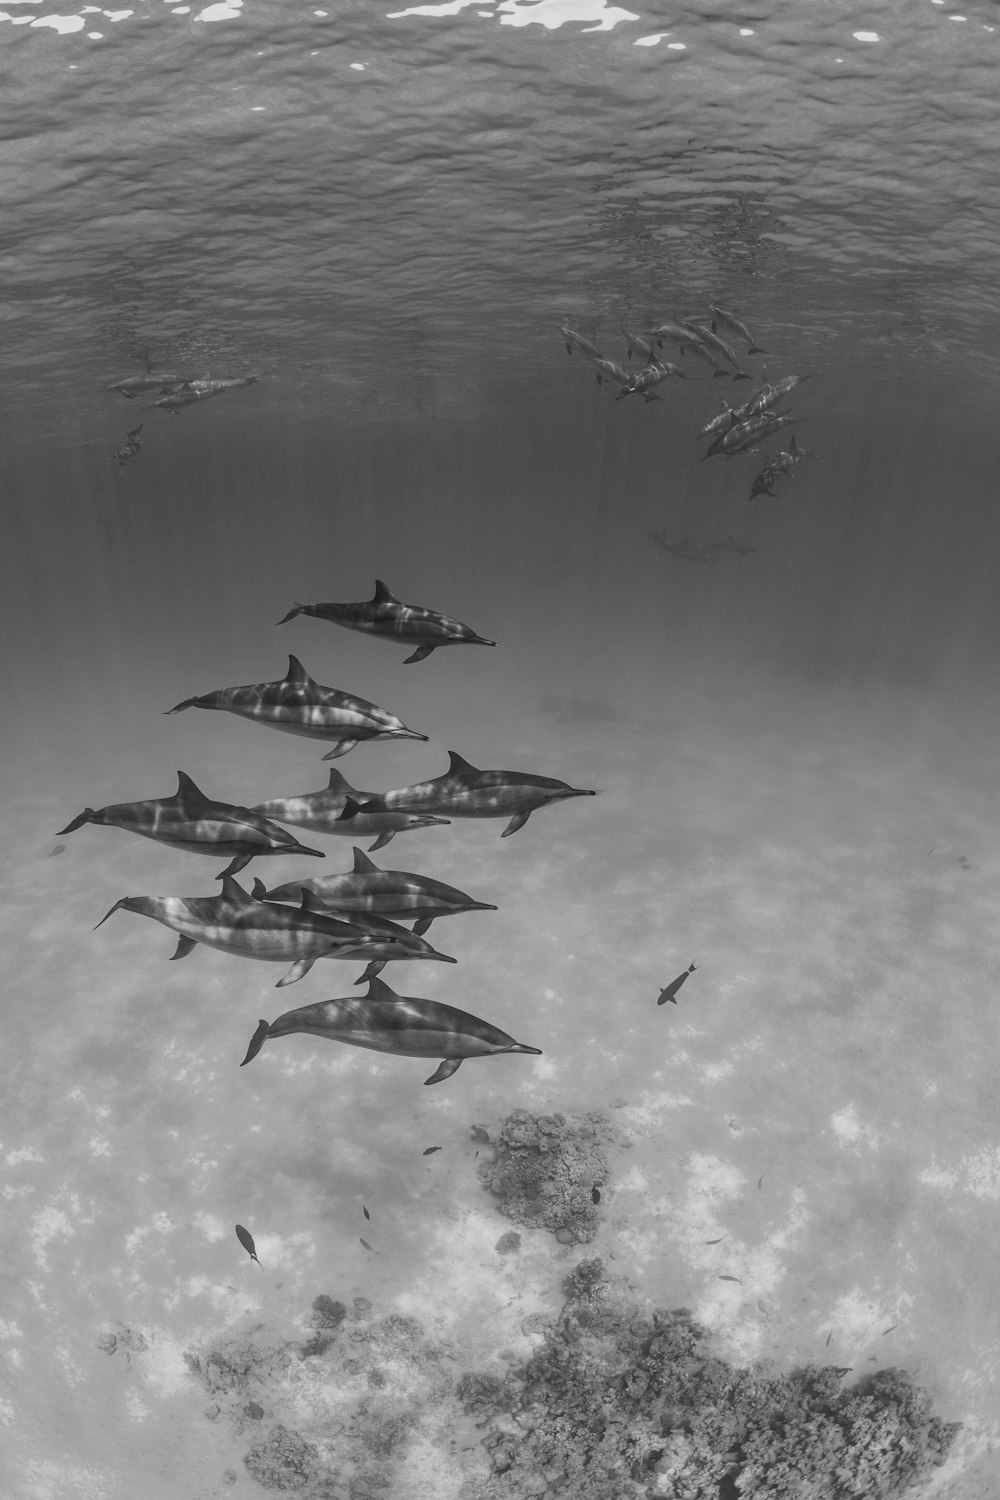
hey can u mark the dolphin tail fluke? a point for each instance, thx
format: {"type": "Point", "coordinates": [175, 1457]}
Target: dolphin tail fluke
{"type": "Point", "coordinates": [256, 1042]}
{"type": "Point", "coordinates": [381, 841]}
{"type": "Point", "coordinates": [339, 750]}
{"type": "Point", "coordinates": [418, 655]}
{"type": "Point", "coordinates": [445, 1070]}
{"type": "Point", "coordinates": [87, 816]}
{"type": "Point", "coordinates": [421, 927]}
{"type": "Point", "coordinates": [117, 907]}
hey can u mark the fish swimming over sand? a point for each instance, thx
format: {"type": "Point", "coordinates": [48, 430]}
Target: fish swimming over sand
{"type": "Point", "coordinates": [191, 821]}
{"type": "Point", "coordinates": [335, 809]}
{"type": "Point", "coordinates": [246, 1240]}
{"type": "Point", "coordinates": [398, 894]}
{"type": "Point", "coordinates": [463, 791]}
{"type": "Point", "coordinates": [297, 704]}
{"type": "Point", "coordinates": [385, 615]}
{"type": "Point", "coordinates": [401, 1024]}
{"type": "Point", "coordinates": [670, 993]}
{"type": "Point", "coordinates": [236, 922]}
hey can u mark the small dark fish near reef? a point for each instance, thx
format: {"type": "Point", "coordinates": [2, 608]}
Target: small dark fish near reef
{"type": "Point", "coordinates": [246, 1240]}
{"type": "Point", "coordinates": [670, 993]}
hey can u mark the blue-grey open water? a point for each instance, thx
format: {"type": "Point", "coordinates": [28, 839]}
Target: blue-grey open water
{"type": "Point", "coordinates": [789, 707]}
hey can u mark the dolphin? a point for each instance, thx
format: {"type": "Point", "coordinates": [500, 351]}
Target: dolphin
{"type": "Point", "coordinates": [387, 616]}
{"type": "Point", "coordinates": [770, 395]}
{"type": "Point", "coordinates": [327, 812]}
{"type": "Point", "coordinates": [190, 391]}
{"type": "Point", "coordinates": [641, 383]}
{"type": "Point", "coordinates": [670, 993]}
{"type": "Point", "coordinates": [298, 705]}
{"type": "Point", "coordinates": [398, 894]}
{"type": "Point", "coordinates": [749, 433]}
{"type": "Point", "coordinates": [153, 380]}
{"type": "Point", "coordinates": [638, 345]}
{"type": "Point", "coordinates": [577, 340]}
{"type": "Point", "coordinates": [612, 371]}
{"type": "Point", "coordinates": [239, 923]}
{"type": "Point", "coordinates": [731, 321]}
{"type": "Point", "coordinates": [190, 820]}
{"type": "Point", "coordinates": [402, 1024]}
{"type": "Point", "coordinates": [395, 941]}
{"type": "Point", "coordinates": [130, 452]}
{"type": "Point", "coordinates": [465, 792]}
{"type": "Point", "coordinates": [778, 468]}
{"type": "Point", "coordinates": [712, 341]}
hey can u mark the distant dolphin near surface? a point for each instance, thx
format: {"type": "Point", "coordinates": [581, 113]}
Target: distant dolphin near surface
{"type": "Point", "coordinates": [239, 923]}
{"type": "Point", "coordinates": [398, 894]}
{"type": "Point", "coordinates": [402, 1024]}
{"type": "Point", "coordinates": [385, 615]}
{"type": "Point", "coordinates": [297, 704]}
{"type": "Point", "coordinates": [334, 809]}
{"type": "Point", "coordinates": [463, 791]}
{"type": "Point", "coordinates": [191, 821]}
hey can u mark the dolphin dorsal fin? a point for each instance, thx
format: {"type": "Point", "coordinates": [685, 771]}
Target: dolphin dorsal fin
{"type": "Point", "coordinates": [187, 790]}
{"type": "Point", "coordinates": [793, 446]}
{"type": "Point", "coordinates": [362, 864]}
{"type": "Point", "coordinates": [233, 892]}
{"type": "Point", "coordinates": [379, 990]}
{"type": "Point", "coordinates": [338, 782]}
{"type": "Point", "coordinates": [458, 765]}
{"type": "Point", "coordinates": [296, 672]}
{"type": "Point", "coordinates": [383, 594]}
{"type": "Point", "coordinates": [259, 889]}
{"type": "Point", "coordinates": [311, 902]}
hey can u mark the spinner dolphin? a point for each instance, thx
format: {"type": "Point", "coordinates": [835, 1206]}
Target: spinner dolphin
{"type": "Point", "coordinates": [402, 1024]}
{"type": "Point", "coordinates": [398, 894]}
{"type": "Point", "coordinates": [191, 821]}
{"type": "Point", "coordinates": [327, 811]}
{"type": "Point", "coordinates": [385, 615]}
{"type": "Point", "coordinates": [297, 704]}
{"type": "Point", "coordinates": [239, 923]}
{"type": "Point", "coordinates": [465, 792]}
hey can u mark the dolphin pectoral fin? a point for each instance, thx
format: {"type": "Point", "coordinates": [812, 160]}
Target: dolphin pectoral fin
{"type": "Point", "coordinates": [381, 841]}
{"type": "Point", "coordinates": [421, 927]}
{"type": "Point", "coordinates": [184, 946]}
{"type": "Point", "coordinates": [235, 865]}
{"type": "Point", "coordinates": [516, 822]}
{"type": "Point", "coordinates": [445, 1070]}
{"type": "Point", "coordinates": [756, 349]}
{"type": "Point", "coordinates": [295, 610]}
{"type": "Point", "coordinates": [85, 817]}
{"type": "Point", "coordinates": [418, 655]}
{"type": "Point", "coordinates": [117, 907]}
{"type": "Point", "coordinates": [340, 749]}
{"type": "Point", "coordinates": [297, 971]}
{"type": "Point", "coordinates": [256, 1042]}
{"type": "Point", "coordinates": [375, 967]}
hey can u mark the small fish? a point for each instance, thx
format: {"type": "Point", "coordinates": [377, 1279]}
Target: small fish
{"type": "Point", "coordinates": [595, 1194]}
{"type": "Point", "coordinates": [730, 1278]}
{"type": "Point", "coordinates": [760, 1182]}
{"type": "Point", "coordinates": [365, 1212]}
{"type": "Point", "coordinates": [246, 1240]}
{"type": "Point", "coordinates": [714, 1242]}
{"type": "Point", "coordinates": [577, 340]}
{"type": "Point", "coordinates": [889, 1329]}
{"type": "Point", "coordinates": [369, 1247]}
{"type": "Point", "coordinates": [828, 1338]}
{"type": "Point", "coordinates": [670, 993]}
{"type": "Point", "coordinates": [57, 849]}
{"type": "Point", "coordinates": [730, 321]}
{"type": "Point", "coordinates": [430, 1150]}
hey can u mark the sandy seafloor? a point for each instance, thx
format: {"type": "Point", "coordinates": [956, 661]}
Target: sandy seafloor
{"type": "Point", "coordinates": [823, 1095]}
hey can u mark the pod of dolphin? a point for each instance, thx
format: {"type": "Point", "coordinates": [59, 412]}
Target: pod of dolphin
{"type": "Point", "coordinates": [733, 430]}
{"type": "Point", "coordinates": [356, 914]}
{"type": "Point", "coordinates": [173, 391]}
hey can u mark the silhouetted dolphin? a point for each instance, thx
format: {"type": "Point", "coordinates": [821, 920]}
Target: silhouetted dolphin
{"type": "Point", "coordinates": [391, 893]}
{"type": "Point", "coordinates": [387, 616]}
{"type": "Point", "coordinates": [465, 792]}
{"type": "Point", "coordinates": [335, 810]}
{"type": "Point", "coordinates": [189, 820]}
{"type": "Point", "coordinates": [299, 705]}
{"type": "Point", "coordinates": [402, 1024]}
{"type": "Point", "coordinates": [239, 923]}
{"type": "Point", "coordinates": [396, 942]}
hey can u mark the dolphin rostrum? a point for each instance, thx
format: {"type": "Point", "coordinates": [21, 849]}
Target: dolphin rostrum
{"type": "Point", "coordinates": [335, 810]}
{"type": "Point", "coordinates": [299, 705]}
{"type": "Point", "coordinates": [191, 821]}
{"type": "Point", "coordinates": [402, 1024]}
{"type": "Point", "coordinates": [387, 616]}
{"type": "Point", "coordinates": [465, 792]}
{"type": "Point", "coordinates": [239, 923]}
{"type": "Point", "coordinates": [392, 941]}
{"type": "Point", "coordinates": [398, 894]}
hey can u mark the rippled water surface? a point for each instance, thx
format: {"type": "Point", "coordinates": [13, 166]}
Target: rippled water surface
{"type": "Point", "coordinates": [788, 707]}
